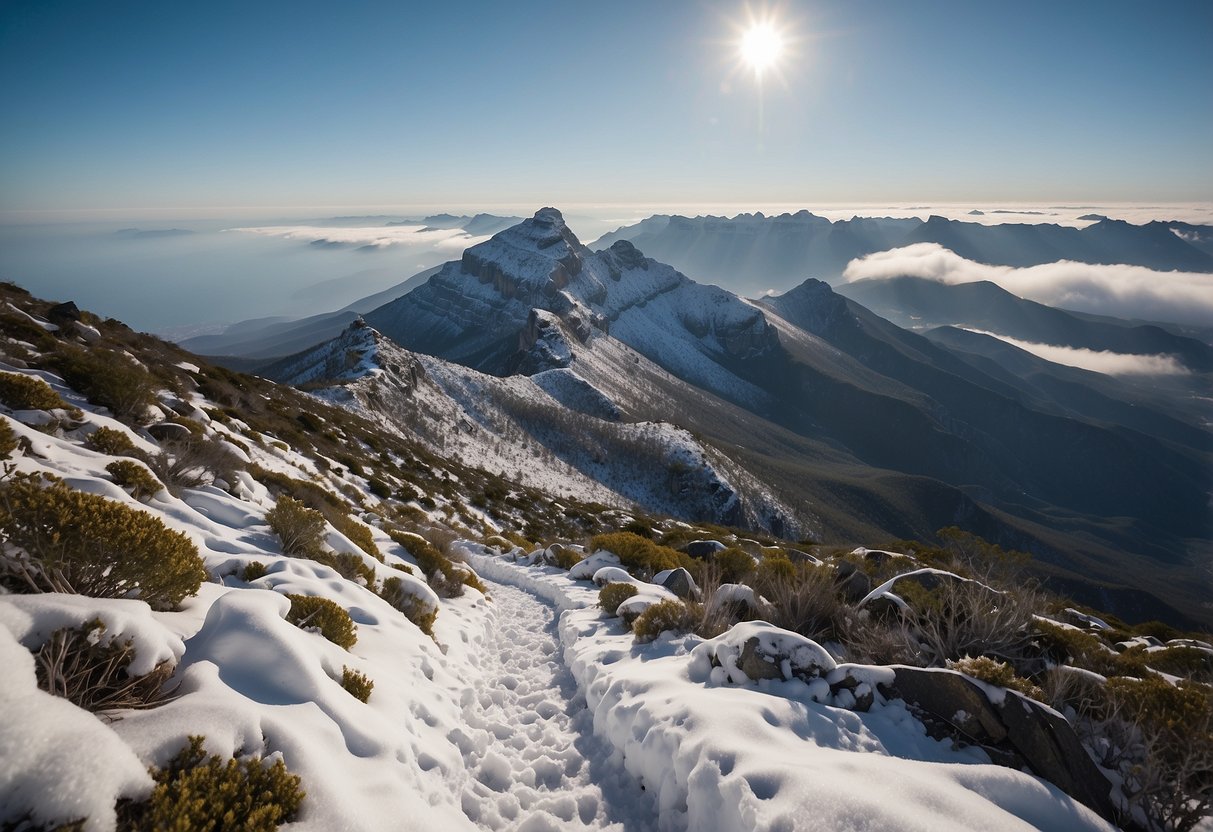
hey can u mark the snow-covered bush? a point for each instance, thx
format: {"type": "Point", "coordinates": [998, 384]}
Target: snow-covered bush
{"type": "Point", "coordinates": [82, 666]}
{"type": "Point", "coordinates": [358, 685]}
{"type": "Point", "coordinates": [327, 616]}
{"type": "Point", "coordinates": [111, 441]}
{"type": "Point", "coordinates": [196, 791]}
{"type": "Point", "coordinates": [612, 595]}
{"type": "Point", "coordinates": [415, 608]}
{"type": "Point", "coordinates": [672, 616]}
{"type": "Point", "coordinates": [134, 475]}
{"type": "Point", "coordinates": [22, 392]}
{"type": "Point", "coordinates": [298, 527]}
{"type": "Point", "coordinates": [63, 540]}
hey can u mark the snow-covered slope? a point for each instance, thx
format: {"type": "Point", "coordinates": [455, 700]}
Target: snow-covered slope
{"type": "Point", "coordinates": [554, 430]}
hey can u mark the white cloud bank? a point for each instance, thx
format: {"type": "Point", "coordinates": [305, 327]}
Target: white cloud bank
{"type": "Point", "coordinates": [454, 239]}
{"type": "Point", "coordinates": [1118, 290]}
{"type": "Point", "coordinates": [1099, 361]}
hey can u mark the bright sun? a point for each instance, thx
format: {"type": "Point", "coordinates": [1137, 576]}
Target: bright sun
{"type": "Point", "coordinates": [761, 46]}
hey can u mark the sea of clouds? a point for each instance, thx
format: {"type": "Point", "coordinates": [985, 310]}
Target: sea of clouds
{"type": "Point", "coordinates": [1118, 290]}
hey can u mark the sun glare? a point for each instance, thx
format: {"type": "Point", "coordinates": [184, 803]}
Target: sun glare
{"type": "Point", "coordinates": [761, 46]}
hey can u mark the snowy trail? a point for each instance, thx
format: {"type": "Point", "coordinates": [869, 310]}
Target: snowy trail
{"type": "Point", "coordinates": [532, 759]}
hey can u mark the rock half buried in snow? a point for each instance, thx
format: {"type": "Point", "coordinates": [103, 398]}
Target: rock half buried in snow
{"type": "Point", "coordinates": [1015, 730]}
{"type": "Point", "coordinates": [758, 650]}
{"type": "Point", "coordinates": [679, 582]}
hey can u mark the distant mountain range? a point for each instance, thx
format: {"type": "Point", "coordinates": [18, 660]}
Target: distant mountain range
{"type": "Point", "coordinates": [813, 415]}
{"type": "Point", "coordinates": [753, 253]}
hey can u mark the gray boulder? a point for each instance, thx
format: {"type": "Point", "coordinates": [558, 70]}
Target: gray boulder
{"type": "Point", "coordinates": [703, 549]}
{"type": "Point", "coordinates": [680, 582]}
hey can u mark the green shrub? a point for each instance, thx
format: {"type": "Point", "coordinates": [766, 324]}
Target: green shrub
{"type": "Point", "coordinates": [109, 379]}
{"type": "Point", "coordinates": [111, 441]}
{"type": "Point", "coordinates": [379, 488]}
{"type": "Point", "coordinates": [360, 534]}
{"type": "Point", "coordinates": [637, 553]}
{"type": "Point", "coordinates": [612, 595]}
{"type": "Point", "coordinates": [357, 684]}
{"type": "Point", "coordinates": [134, 475]}
{"type": "Point", "coordinates": [21, 392]}
{"type": "Point", "coordinates": [445, 576]}
{"type": "Point", "coordinates": [997, 673]}
{"type": "Point", "coordinates": [8, 439]}
{"type": "Point", "coordinates": [196, 792]}
{"type": "Point", "coordinates": [1156, 702]}
{"type": "Point", "coordinates": [349, 565]}
{"type": "Point", "coordinates": [300, 528]}
{"type": "Point", "coordinates": [85, 544]}
{"type": "Point", "coordinates": [735, 565]}
{"type": "Point", "coordinates": [78, 664]}
{"type": "Point", "coordinates": [328, 616]}
{"type": "Point", "coordinates": [567, 558]}
{"type": "Point", "coordinates": [415, 609]}
{"type": "Point", "coordinates": [253, 570]}
{"type": "Point", "coordinates": [1188, 662]}
{"type": "Point", "coordinates": [674, 616]}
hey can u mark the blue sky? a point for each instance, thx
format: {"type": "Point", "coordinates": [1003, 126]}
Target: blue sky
{"type": "Point", "coordinates": [145, 106]}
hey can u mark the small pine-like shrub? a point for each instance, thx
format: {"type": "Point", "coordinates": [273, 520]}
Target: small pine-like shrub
{"type": "Point", "coordinates": [637, 553]}
{"type": "Point", "coordinates": [1156, 702]}
{"type": "Point", "coordinates": [735, 565]}
{"type": "Point", "coordinates": [669, 615]}
{"type": "Point", "coordinates": [334, 623]}
{"type": "Point", "coordinates": [997, 673]}
{"type": "Point", "coordinates": [360, 534]}
{"type": "Point", "coordinates": [612, 595]}
{"type": "Point", "coordinates": [72, 541]}
{"type": "Point", "coordinates": [415, 609]}
{"type": "Point", "coordinates": [200, 792]}
{"type": "Point", "coordinates": [445, 577]}
{"type": "Point", "coordinates": [1188, 662]}
{"type": "Point", "coordinates": [253, 570]}
{"type": "Point", "coordinates": [78, 664]}
{"type": "Point", "coordinates": [8, 439]}
{"type": "Point", "coordinates": [135, 476]}
{"type": "Point", "coordinates": [109, 379]}
{"type": "Point", "coordinates": [350, 566]}
{"type": "Point", "coordinates": [21, 392]}
{"type": "Point", "coordinates": [298, 527]}
{"type": "Point", "coordinates": [110, 441]}
{"type": "Point", "coordinates": [357, 684]}
{"type": "Point", "coordinates": [567, 558]}
{"type": "Point", "coordinates": [379, 488]}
